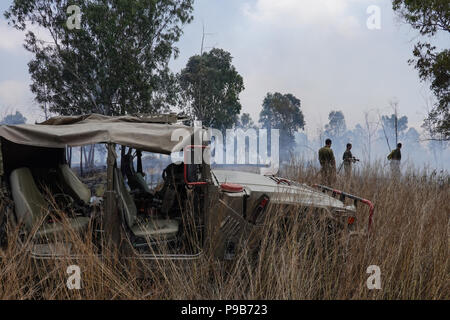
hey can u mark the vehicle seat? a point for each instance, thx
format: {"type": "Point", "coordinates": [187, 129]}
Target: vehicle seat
{"type": "Point", "coordinates": [136, 180]}
{"type": "Point", "coordinates": [31, 207]}
{"type": "Point", "coordinates": [76, 189]}
{"type": "Point", "coordinates": [140, 181]}
{"type": "Point", "coordinates": [154, 228]}
{"type": "Point", "coordinates": [173, 187]}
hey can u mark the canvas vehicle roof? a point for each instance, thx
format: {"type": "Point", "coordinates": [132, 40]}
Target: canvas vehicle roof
{"type": "Point", "coordinates": [158, 133]}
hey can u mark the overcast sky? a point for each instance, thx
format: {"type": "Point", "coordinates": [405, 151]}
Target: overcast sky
{"type": "Point", "coordinates": [319, 50]}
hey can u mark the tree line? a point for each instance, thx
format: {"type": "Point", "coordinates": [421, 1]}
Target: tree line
{"type": "Point", "coordinates": [117, 63]}
{"type": "Point", "coordinates": [373, 139]}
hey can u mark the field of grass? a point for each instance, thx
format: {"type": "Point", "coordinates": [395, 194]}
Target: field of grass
{"type": "Point", "coordinates": [409, 242]}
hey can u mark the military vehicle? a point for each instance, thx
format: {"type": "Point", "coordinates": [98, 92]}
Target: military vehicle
{"type": "Point", "coordinates": [42, 198]}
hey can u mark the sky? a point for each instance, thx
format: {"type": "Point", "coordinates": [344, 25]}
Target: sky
{"type": "Point", "coordinates": [319, 50]}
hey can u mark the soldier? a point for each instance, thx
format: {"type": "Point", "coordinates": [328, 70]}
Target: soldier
{"type": "Point", "coordinates": [348, 159]}
{"type": "Point", "coordinates": [327, 163]}
{"type": "Point", "coordinates": [395, 157]}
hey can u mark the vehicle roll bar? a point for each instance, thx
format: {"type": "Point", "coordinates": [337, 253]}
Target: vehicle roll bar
{"type": "Point", "coordinates": [186, 180]}
{"type": "Point", "coordinates": [344, 195]}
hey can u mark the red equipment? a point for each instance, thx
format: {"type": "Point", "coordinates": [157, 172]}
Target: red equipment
{"type": "Point", "coordinates": [344, 195]}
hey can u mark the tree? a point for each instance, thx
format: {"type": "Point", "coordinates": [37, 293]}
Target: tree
{"type": "Point", "coordinates": [211, 86]}
{"type": "Point", "coordinates": [389, 126]}
{"type": "Point", "coordinates": [370, 127]}
{"type": "Point", "coordinates": [12, 119]}
{"type": "Point", "coordinates": [412, 135]}
{"type": "Point", "coordinates": [115, 63]}
{"type": "Point", "coordinates": [245, 121]}
{"type": "Point", "coordinates": [358, 138]}
{"type": "Point", "coordinates": [429, 18]}
{"type": "Point", "coordinates": [336, 126]}
{"type": "Point", "coordinates": [282, 111]}
{"type": "Point", "coordinates": [411, 141]}
{"type": "Point", "coordinates": [336, 129]}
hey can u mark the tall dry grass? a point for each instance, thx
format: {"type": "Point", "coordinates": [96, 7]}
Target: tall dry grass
{"type": "Point", "coordinates": [298, 260]}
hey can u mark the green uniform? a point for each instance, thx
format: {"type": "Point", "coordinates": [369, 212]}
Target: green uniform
{"type": "Point", "coordinates": [326, 156]}
{"type": "Point", "coordinates": [328, 165]}
{"type": "Point", "coordinates": [347, 157]}
{"type": "Point", "coordinates": [348, 160]}
{"type": "Point", "coordinates": [395, 156]}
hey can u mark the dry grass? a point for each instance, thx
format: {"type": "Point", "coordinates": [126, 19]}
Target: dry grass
{"type": "Point", "coordinates": [409, 242]}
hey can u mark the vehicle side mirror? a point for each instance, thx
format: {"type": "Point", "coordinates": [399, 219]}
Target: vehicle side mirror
{"type": "Point", "coordinates": [194, 165]}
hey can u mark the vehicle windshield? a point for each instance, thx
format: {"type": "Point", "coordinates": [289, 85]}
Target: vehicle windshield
{"type": "Point", "coordinates": [153, 166]}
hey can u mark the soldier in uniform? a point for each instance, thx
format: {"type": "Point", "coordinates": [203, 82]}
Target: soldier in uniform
{"type": "Point", "coordinates": [327, 163]}
{"type": "Point", "coordinates": [348, 161]}
{"type": "Point", "coordinates": [395, 157]}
